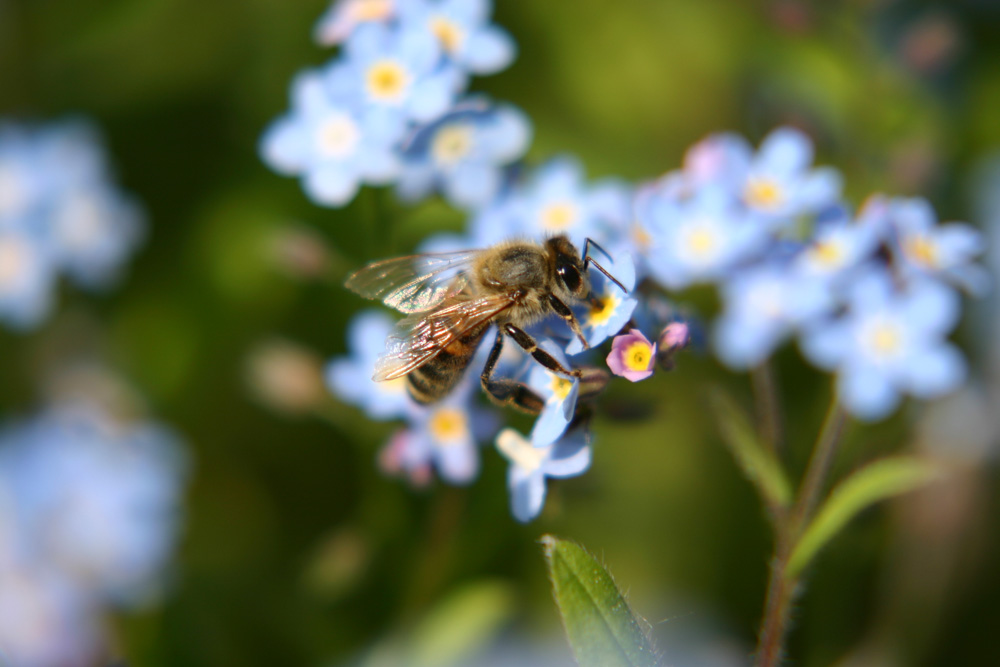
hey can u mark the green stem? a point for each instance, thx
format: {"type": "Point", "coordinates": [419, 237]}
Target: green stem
{"type": "Point", "coordinates": [782, 588]}
{"type": "Point", "coordinates": [769, 419]}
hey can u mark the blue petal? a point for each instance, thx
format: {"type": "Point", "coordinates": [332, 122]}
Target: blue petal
{"type": "Point", "coordinates": [284, 147]}
{"type": "Point", "coordinates": [472, 185]}
{"type": "Point", "coordinates": [488, 51]}
{"type": "Point", "coordinates": [569, 457]}
{"type": "Point", "coordinates": [457, 463]}
{"type": "Point", "coordinates": [527, 493]}
{"type": "Point", "coordinates": [551, 424]}
{"type": "Point", "coordinates": [866, 393]}
{"type": "Point", "coordinates": [826, 345]}
{"type": "Point", "coordinates": [935, 371]}
{"type": "Point", "coordinates": [331, 186]}
{"type": "Point", "coordinates": [784, 151]}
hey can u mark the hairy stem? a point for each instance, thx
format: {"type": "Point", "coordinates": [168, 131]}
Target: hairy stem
{"type": "Point", "coordinates": [765, 389]}
{"type": "Point", "coordinates": [782, 588]}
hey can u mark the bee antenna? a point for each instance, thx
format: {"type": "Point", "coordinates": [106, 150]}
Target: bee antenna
{"type": "Point", "coordinates": [609, 276]}
{"type": "Point", "coordinates": [588, 260]}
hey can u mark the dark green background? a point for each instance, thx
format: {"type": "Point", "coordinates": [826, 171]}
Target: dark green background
{"type": "Point", "coordinates": [183, 89]}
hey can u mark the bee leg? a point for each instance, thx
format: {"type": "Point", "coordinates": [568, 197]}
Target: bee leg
{"type": "Point", "coordinates": [530, 346]}
{"type": "Point", "coordinates": [563, 311]}
{"type": "Point", "coordinates": [505, 391]}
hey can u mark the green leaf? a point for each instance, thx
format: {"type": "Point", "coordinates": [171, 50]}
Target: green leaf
{"type": "Point", "coordinates": [873, 483]}
{"type": "Point", "coordinates": [757, 463]}
{"type": "Point", "coordinates": [601, 627]}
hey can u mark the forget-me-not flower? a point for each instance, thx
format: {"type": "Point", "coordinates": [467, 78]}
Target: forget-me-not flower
{"type": "Point", "coordinates": [943, 251]}
{"type": "Point", "coordinates": [343, 16]}
{"type": "Point", "coordinates": [332, 143]}
{"type": "Point", "coordinates": [889, 342]}
{"type": "Point", "coordinates": [531, 463]}
{"type": "Point", "coordinates": [632, 356]}
{"type": "Point", "coordinates": [27, 273]}
{"type": "Point", "coordinates": [393, 71]}
{"type": "Point", "coordinates": [464, 153]}
{"type": "Point", "coordinates": [612, 308]}
{"type": "Point", "coordinates": [761, 307]}
{"type": "Point", "coordinates": [559, 393]}
{"type": "Point", "coordinates": [463, 29]}
{"type": "Point", "coordinates": [350, 377]}
{"type": "Point", "coordinates": [838, 245]}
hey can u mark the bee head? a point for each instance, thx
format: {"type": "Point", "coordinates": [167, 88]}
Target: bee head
{"type": "Point", "coordinates": [570, 270]}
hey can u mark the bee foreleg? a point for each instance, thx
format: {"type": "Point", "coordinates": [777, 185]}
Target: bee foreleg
{"type": "Point", "coordinates": [530, 346]}
{"type": "Point", "coordinates": [564, 311]}
{"type": "Point", "coordinates": [505, 391]}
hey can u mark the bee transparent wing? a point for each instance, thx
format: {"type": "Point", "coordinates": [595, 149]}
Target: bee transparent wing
{"type": "Point", "coordinates": [419, 338]}
{"type": "Point", "coordinates": [416, 283]}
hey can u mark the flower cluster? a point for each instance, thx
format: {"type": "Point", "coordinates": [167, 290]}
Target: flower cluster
{"type": "Point", "coordinates": [392, 106]}
{"type": "Point", "coordinates": [60, 212]}
{"type": "Point", "coordinates": [88, 521]}
{"type": "Point", "coordinates": [871, 295]}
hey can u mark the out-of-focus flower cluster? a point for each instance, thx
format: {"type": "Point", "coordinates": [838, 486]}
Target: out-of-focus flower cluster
{"type": "Point", "coordinates": [392, 107]}
{"type": "Point", "coordinates": [871, 295]}
{"type": "Point", "coordinates": [88, 520]}
{"type": "Point", "coordinates": [60, 213]}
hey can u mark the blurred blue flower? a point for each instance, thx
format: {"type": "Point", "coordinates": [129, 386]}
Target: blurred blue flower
{"type": "Point", "coordinates": [696, 239]}
{"type": "Point", "coordinates": [889, 341]}
{"type": "Point", "coordinates": [391, 72]}
{"type": "Point", "coordinates": [613, 308]}
{"type": "Point", "coordinates": [343, 16]}
{"type": "Point", "coordinates": [559, 393]}
{"type": "Point", "coordinates": [531, 463]}
{"type": "Point", "coordinates": [761, 307]}
{"type": "Point", "coordinates": [779, 184]}
{"type": "Point", "coordinates": [333, 145]}
{"type": "Point", "coordinates": [837, 247]}
{"type": "Point", "coordinates": [464, 153]}
{"type": "Point", "coordinates": [350, 377]}
{"type": "Point", "coordinates": [59, 212]}
{"type": "Point", "coordinates": [925, 248]}
{"type": "Point", "coordinates": [464, 32]}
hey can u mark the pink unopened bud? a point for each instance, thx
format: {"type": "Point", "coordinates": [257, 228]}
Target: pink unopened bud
{"type": "Point", "coordinates": [675, 336]}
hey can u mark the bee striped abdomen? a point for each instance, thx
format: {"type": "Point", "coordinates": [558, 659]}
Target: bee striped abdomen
{"type": "Point", "coordinates": [435, 379]}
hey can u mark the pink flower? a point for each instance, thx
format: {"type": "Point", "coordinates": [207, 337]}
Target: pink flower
{"type": "Point", "coordinates": [674, 337]}
{"type": "Point", "coordinates": [632, 356]}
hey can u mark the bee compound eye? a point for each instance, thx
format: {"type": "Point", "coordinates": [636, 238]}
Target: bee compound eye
{"type": "Point", "coordinates": [570, 276]}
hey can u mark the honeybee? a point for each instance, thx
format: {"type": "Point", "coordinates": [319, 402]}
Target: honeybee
{"type": "Point", "coordinates": [451, 299]}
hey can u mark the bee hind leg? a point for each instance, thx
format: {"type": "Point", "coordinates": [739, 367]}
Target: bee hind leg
{"type": "Point", "coordinates": [507, 392]}
{"type": "Point", "coordinates": [592, 380]}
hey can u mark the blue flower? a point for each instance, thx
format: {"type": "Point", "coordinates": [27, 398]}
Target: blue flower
{"type": "Point", "coordinates": [613, 308]}
{"type": "Point", "coordinates": [697, 239]}
{"type": "Point", "coordinates": [778, 183]}
{"type": "Point", "coordinates": [838, 246]}
{"type": "Point", "coordinates": [350, 377]}
{"type": "Point", "coordinates": [763, 306]}
{"type": "Point", "coordinates": [343, 16]}
{"type": "Point", "coordinates": [889, 342]}
{"type": "Point", "coordinates": [559, 393]}
{"type": "Point", "coordinates": [393, 71]}
{"type": "Point", "coordinates": [333, 145]}
{"type": "Point", "coordinates": [464, 153]}
{"type": "Point", "coordinates": [463, 31]}
{"type": "Point", "coordinates": [27, 274]}
{"type": "Point", "coordinates": [925, 248]}
{"type": "Point", "coordinates": [555, 199]}
{"type": "Point", "coordinates": [531, 464]}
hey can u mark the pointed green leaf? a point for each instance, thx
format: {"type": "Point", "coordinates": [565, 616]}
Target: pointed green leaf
{"type": "Point", "coordinates": [757, 463]}
{"type": "Point", "coordinates": [601, 627]}
{"type": "Point", "coordinates": [873, 483]}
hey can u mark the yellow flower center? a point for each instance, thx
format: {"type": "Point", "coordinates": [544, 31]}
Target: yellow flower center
{"type": "Point", "coordinates": [827, 254]}
{"type": "Point", "coordinates": [885, 339]}
{"type": "Point", "coordinates": [922, 250]}
{"type": "Point", "coordinates": [387, 81]}
{"type": "Point", "coordinates": [764, 193]}
{"type": "Point", "coordinates": [602, 311]}
{"type": "Point", "coordinates": [519, 451]}
{"type": "Point", "coordinates": [448, 33]}
{"type": "Point", "coordinates": [338, 136]}
{"type": "Point", "coordinates": [558, 216]}
{"type": "Point", "coordinates": [448, 425]}
{"type": "Point", "coordinates": [701, 242]}
{"type": "Point", "coordinates": [643, 239]}
{"type": "Point", "coordinates": [371, 10]}
{"type": "Point", "coordinates": [637, 356]}
{"type": "Point", "coordinates": [14, 259]}
{"type": "Point", "coordinates": [560, 387]}
{"type": "Point", "coordinates": [451, 144]}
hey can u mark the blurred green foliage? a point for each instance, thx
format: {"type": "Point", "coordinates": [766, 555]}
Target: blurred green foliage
{"type": "Point", "coordinates": [297, 551]}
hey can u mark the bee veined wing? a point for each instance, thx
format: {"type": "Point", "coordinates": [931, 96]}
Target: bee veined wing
{"type": "Point", "coordinates": [419, 338]}
{"type": "Point", "coordinates": [416, 283]}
